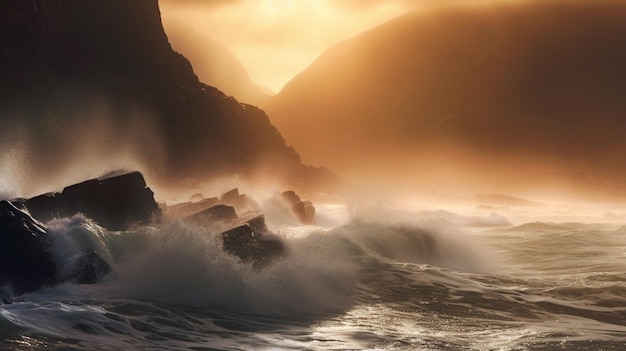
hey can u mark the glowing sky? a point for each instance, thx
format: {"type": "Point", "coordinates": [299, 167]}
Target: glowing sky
{"type": "Point", "coordinates": [277, 39]}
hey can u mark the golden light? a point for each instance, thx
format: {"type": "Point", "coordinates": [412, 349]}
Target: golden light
{"type": "Point", "coordinates": [277, 39]}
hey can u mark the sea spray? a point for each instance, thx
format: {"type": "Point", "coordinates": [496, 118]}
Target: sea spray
{"type": "Point", "coordinates": [71, 238]}
{"type": "Point", "coordinates": [184, 264]}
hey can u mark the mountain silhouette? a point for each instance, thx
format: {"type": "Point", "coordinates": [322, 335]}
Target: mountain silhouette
{"type": "Point", "coordinates": [480, 90]}
{"type": "Point", "coordinates": [90, 86]}
{"type": "Point", "coordinates": [215, 64]}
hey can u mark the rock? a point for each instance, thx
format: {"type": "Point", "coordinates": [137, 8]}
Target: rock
{"type": "Point", "coordinates": [214, 215]}
{"type": "Point", "coordinates": [252, 247]}
{"type": "Point", "coordinates": [241, 202]}
{"type": "Point", "coordinates": [116, 202]}
{"type": "Point", "coordinates": [230, 196]}
{"type": "Point", "coordinates": [89, 268]}
{"type": "Point", "coordinates": [304, 211]}
{"type": "Point", "coordinates": [256, 221]}
{"type": "Point", "coordinates": [45, 207]}
{"type": "Point", "coordinates": [25, 263]}
{"type": "Point", "coordinates": [187, 209]}
{"type": "Point", "coordinates": [246, 237]}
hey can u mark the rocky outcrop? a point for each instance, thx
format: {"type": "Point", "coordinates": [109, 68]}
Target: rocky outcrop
{"type": "Point", "coordinates": [252, 246]}
{"type": "Point", "coordinates": [115, 202]}
{"type": "Point", "coordinates": [304, 211]}
{"type": "Point", "coordinates": [246, 237]}
{"type": "Point", "coordinates": [241, 202]}
{"type": "Point", "coordinates": [186, 209]}
{"type": "Point", "coordinates": [213, 215]}
{"type": "Point", "coordinates": [26, 264]}
{"type": "Point", "coordinates": [240, 223]}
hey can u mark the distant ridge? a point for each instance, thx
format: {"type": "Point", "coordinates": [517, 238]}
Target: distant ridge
{"type": "Point", "coordinates": [215, 64]}
{"type": "Point", "coordinates": [498, 89]}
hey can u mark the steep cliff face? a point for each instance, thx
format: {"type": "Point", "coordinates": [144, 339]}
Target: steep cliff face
{"type": "Point", "coordinates": [98, 43]}
{"type": "Point", "coordinates": [97, 81]}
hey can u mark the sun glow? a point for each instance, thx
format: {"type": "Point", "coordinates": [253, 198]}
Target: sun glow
{"type": "Point", "coordinates": [276, 39]}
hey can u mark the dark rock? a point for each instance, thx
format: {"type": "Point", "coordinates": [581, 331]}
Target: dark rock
{"type": "Point", "coordinates": [45, 207]}
{"type": "Point", "coordinates": [230, 196]}
{"type": "Point", "coordinates": [25, 263]}
{"type": "Point", "coordinates": [5, 297]}
{"type": "Point", "coordinates": [187, 209]}
{"type": "Point", "coordinates": [214, 214]}
{"type": "Point", "coordinates": [115, 202]}
{"type": "Point", "coordinates": [241, 202]}
{"type": "Point", "coordinates": [252, 247]}
{"type": "Point", "coordinates": [303, 210]}
{"type": "Point", "coordinates": [255, 220]}
{"type": "Point", "coordinates": [89, 269]}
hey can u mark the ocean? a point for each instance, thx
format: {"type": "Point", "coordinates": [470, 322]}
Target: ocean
{"type": "Point", "coordinates": [367, 279]}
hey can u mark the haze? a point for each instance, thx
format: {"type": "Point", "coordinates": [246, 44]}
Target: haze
{"type": "Point", "coordinates": [277, 39]}
{"type": "Point", "coordinates": [522, 97]}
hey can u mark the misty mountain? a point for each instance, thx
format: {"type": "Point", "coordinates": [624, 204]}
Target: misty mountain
{"type": "Point", "coordinates": [215, 64]}
{"type": "Point", "coordinates": [89, 86]}
{"type": "Point", "coordinates": [498, 88]}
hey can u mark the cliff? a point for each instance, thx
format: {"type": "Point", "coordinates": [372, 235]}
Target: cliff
{"type": "Point", "coordinates": [97, 83]}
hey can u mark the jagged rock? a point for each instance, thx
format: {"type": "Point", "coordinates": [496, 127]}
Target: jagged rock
{"type": "Point", "coordinates": [187, 209]}
{"type": "Point", "coordinates": [25, 263]}
{"type": "Point", "coordinates": [214, 214]}
{"type": "Point", "coordinates": [89, 268]}
{"type": "Point", "coordinates": [252, 247]}
{"type": "Point", "coordinates": [256, 221]}
{"type": "Point", "coordinates": [115, 202]}
{"type": "Point", "coordinates": [230, 196]}
{"type": "Point", "coordinates": [246, 237]}
{"type": "Point", "coordinates": [303, 210]}
{"type": "Point", "coordinates": [241, 202]}
{"type": "Point", "coordinates": [45, 207]}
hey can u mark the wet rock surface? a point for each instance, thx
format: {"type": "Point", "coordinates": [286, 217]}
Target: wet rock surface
{"type": "Point", "coordinates": [26, 263]}
{"type": "Point", "coordinates": [118, 203]}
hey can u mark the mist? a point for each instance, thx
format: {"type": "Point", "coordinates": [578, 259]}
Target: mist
{"type": "Point", "coordinates": [274, 40]}
{"type": "Point", "coordinates": [451, 100]}
{"type": "Point", "coordinates": [518, 97]}
{"type": "Point", "coordinates": [84, 95]}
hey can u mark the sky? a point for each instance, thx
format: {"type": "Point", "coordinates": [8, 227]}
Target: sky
{"type": "Point", "coordinates": [277, 39]}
